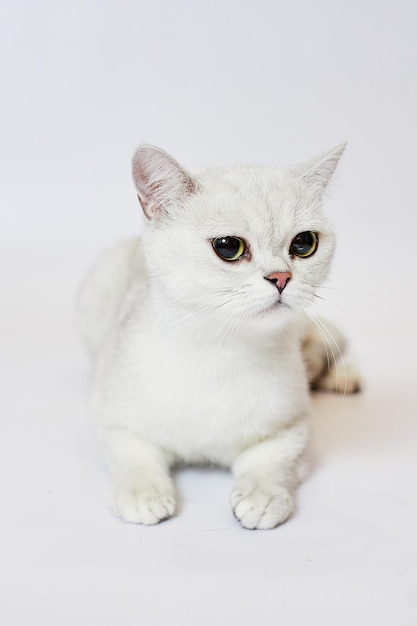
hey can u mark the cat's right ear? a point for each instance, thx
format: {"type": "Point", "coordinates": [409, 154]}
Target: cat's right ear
{"type": "Point", "coordinates": [318, 172]}
{"type": "Point", "coordinates": [160, 180]}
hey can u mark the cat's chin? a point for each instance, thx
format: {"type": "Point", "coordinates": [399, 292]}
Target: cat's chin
{"type": "Point", "coordinates": [274, 315]}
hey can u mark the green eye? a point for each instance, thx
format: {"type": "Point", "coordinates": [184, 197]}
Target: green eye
{"type": "Point", "coordinates": [229, 248]}
{"type": "Point", "coordinates": [304, 244]}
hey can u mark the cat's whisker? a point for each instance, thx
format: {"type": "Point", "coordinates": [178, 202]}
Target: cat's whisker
{"type": "Point", "coordinates": [230, 328]}
{"type": "Point", "coordinates": [326, 341]}
{"type": "Point", "coordinates": [313, 319]}
{"type": "Point", "coordinates": [196, 312]}
{"type": "Point", "coordinates": [211, 317]}
{"type": "Point", "coordinates": [336, 304]}
{"type": "Point", "coordinates": [342, 307]}
{"type": "Point", "coordinates": [208, 307]}
{"type": "Point", "coordinates": [335, 324]}
{"type": "Point", "coordinates": [324, 332]}
{"type": "Point", "coordinates": [219, 336]}
{"type": "Point", "coordinates": [226, 328]}
{"type": "Point", "coordinates": [327, 331]}
{"type": "Point", "coordinates": [355, 292]}
{"type": "Point", "coordinates": [239, 323]}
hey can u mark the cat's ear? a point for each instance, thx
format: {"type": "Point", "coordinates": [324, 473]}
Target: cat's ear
{"type": "Point", "coordinates": [318, 172]}
{"type": "Point", "coordinates": [159, 179]}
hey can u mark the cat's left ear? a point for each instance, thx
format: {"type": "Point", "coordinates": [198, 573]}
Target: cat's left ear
{"type": "Point", "coordinates": [160, 180]}
{"type": "Point", "coordinates": [318, 171]}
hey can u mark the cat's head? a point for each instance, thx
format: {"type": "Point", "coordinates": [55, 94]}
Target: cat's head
{"type": "Point", "coordinates": [245, 244]}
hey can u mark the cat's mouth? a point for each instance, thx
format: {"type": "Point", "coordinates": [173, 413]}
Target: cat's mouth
{"type": "Point", "coordinates": [275, 306]}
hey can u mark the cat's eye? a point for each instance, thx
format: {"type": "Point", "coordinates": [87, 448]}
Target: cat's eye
{"type": "Point", "coordinates": [229, 248]}
{"type": "Point", "coordinates": [304, 244]}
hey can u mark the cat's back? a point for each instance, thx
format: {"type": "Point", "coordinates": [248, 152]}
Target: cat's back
{"type": "Point", "coordinates": [104, 289]}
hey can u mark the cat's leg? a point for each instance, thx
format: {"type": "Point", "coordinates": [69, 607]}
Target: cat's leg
{"type": "Point", "coordinates": [267, 475]}
{"type": "Point", "coordinates": [323, 348]}
{"type": "Point", "coordinates": [143, 490]}
{"type": "Point", "coordinates": [339, 378]}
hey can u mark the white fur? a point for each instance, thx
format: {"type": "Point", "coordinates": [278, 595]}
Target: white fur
{"type": "Point", "coordinates": [195, 360]}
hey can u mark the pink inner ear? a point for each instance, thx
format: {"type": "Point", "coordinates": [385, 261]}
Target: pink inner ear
{"type": "Point", "coordinates": [144, 206]}
{"type": "Point", "coordinates": [159, 179]}
{"type": "Point", "coordinates": [142, 176]}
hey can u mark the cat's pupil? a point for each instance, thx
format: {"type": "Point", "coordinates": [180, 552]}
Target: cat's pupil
{"type": "Point", "coordinates": [229, 248]}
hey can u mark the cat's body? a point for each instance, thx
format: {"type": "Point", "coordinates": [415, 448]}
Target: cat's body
{"type": "Point", "coordinates": [199, 358]}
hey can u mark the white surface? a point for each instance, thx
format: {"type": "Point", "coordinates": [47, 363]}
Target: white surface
{"type": "Point", "coordinates": [222, 82]}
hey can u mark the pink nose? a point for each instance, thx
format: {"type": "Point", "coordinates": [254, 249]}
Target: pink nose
{"type": "Point", "coordinates": [280, 279]}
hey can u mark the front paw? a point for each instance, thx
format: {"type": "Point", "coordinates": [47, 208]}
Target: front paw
{"type": "Point", "coordinates": [144, 502]}
{"type": "Point", "coordinates": [259, 506]}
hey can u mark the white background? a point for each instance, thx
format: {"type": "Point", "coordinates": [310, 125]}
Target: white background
{"type": "Point", "coordinates": [218, 82]}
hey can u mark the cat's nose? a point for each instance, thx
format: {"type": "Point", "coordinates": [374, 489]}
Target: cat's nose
{"type": "Point", "coordinates": [280, 279]}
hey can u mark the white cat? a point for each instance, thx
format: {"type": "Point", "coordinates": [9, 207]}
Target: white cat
{"type": "Point", "coordinates": [202, 346]}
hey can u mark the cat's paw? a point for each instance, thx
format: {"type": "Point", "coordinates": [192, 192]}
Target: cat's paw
{"type": "Point", "coordinates": [339, 379]}
{"type": "Point", "coordinates": [144, 502]}
{"type": "Point", "coordinates": [261, 506]}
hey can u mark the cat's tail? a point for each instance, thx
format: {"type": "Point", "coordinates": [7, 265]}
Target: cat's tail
{"type": "Point", "coordinates": [324, 346]}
